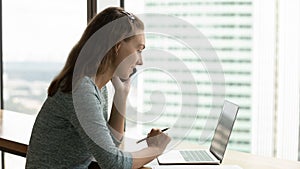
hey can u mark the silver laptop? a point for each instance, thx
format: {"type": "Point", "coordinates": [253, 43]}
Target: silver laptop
{"type": "Point", "coordinates": [218, 145]}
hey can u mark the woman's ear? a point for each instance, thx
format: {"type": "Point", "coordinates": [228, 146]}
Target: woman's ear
{"type": "Point", "coordinates": [117, 48]}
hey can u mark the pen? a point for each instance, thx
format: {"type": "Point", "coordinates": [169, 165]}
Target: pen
{"type": "Point", "coordinates": [165, 129]}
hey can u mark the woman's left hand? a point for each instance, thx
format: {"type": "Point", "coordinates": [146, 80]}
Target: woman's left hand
{"type": "Point", "coordinates": [121, 88]}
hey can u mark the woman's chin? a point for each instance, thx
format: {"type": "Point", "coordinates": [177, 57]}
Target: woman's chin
{"type": "Point", "coordinates": [124, 78]}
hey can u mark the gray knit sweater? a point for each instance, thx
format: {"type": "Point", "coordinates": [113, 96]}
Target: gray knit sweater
{"type": "Point", "coordinates": [70, 130]}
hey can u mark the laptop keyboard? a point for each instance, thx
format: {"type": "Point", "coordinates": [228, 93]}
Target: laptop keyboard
{"type": "Point", "coordinates": [196, 155]}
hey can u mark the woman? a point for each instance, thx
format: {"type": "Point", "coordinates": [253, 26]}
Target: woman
{"type": "Point", "coordinates": [73, 126]}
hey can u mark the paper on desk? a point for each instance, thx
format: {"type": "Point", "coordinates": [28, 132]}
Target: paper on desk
{"type": "Point", "coordinates": [197, 167]}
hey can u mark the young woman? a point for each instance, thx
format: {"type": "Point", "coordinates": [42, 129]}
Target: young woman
{"type": "Point", "coordinates": [72, 126]}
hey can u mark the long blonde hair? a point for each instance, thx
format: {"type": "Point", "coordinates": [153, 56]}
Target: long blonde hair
{"type": "Point", "coordinates": [64, 79]}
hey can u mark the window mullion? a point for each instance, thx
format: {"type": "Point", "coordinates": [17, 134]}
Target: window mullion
{"type": "Point", "coordinates": [263, 78]}
{"type": "Point", "coordinates": [288, 79]}
{"type": "Point", "coordinates": [1, 60]}
{"type": "Point", "coordinates": [91, 9]}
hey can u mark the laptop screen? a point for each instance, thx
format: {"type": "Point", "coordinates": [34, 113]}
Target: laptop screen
{"type": "Point", "coordinates": [223, 129]}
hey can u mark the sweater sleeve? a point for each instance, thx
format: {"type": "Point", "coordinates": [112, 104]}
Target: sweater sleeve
{"type": "Point", "coordinates": [104, 93]}
{"type": "Point", "coordinates": [91, 125]}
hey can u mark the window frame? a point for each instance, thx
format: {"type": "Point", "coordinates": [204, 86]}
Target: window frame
{"type": "Point", "coordinates": [287, 136]}
{"type": "Point", "coordinates": [263, 80]}
{"type": "Point", "coordinates": [1, 59]}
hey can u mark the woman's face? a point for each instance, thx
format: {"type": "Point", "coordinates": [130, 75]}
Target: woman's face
{"type": "Point", "coordinates": [129, 55]}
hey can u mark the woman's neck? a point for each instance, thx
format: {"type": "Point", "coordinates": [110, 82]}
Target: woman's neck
{"type": "Point", "coordinates": [102, 79]}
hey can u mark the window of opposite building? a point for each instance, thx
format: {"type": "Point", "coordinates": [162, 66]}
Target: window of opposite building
{"type": "Point", "coordinates": [228, 27]}
{"type": "Point", "coordinates": [251, 40]}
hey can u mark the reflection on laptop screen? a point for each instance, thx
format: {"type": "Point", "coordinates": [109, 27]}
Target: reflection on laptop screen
{"type": "Point", "coordinates": [223, 130]}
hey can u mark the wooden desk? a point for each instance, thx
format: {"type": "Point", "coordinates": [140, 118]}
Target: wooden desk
{"type": "Point", "coordinates": [15, 131]}
{"type": "Point", "coordinates": [249, 161]}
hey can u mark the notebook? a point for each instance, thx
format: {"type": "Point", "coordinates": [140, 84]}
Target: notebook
{"type": "Point", "coordinates": [215, 154]}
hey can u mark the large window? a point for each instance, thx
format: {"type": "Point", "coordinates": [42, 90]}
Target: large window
{"type": "Point", "coordinates": [257, 44]}
{"type": "Point", "coordinates": [37, 37]}
{"type": "Point", "coordinates": [228, 27]}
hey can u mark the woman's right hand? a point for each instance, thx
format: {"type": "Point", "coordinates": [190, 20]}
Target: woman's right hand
{"type": "Point", "coordinates": [156, 138]}
{"type": "Point", "coordinates": [157, 142]}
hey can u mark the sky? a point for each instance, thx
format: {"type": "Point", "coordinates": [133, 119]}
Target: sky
{"type": "Point", "coordinates": [46, 30]}
{"type": "Point", "coordinates": [41, 30]}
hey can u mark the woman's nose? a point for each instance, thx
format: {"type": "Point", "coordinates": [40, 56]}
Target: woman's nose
{"type": "Point", "coordinates": [140, 61]}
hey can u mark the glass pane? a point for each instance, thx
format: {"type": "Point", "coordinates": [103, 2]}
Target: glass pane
{"type": "Point", "coordinates": [37, 37]}
{"type": "Point", "coordinates": [228, 27]}
{"type": "Point", "coordinates": [104, 4]}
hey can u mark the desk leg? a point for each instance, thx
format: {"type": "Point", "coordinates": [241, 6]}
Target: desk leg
{"type": "Point", "coordinates": [2, 160]}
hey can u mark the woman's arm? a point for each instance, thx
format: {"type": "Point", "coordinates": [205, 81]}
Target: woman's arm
{"type": "Point", "coordinates": [157, 142]}
{"type": "Point", "coordinates": [144, 156]}
{"type": "Point", "coordinates": [117, 117]}
{"type": "Point", "coordinates": [118, 111]}
{"type": "Point", "coordinates": [90, 123]}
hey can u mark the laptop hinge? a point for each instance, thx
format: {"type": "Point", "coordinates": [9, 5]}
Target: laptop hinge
{"type": "Point", "coordinates": [216, 155]}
